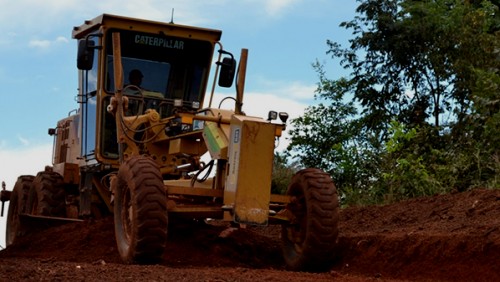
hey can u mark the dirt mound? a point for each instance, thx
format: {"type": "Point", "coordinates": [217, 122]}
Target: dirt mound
{"type": "Point", "coordinates": [452, 237]}
{"type": "Point", "coordinates": [193, 244]}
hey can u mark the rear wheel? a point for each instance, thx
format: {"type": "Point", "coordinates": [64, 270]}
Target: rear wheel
{"type": "Point", "coordinates": [309, 238]}
{"type": "Point", "coordinates": [47, 195]}
{"type": "Point", "coordinates": [17, 206]}
{"type": "Point", "coordinates": [140, 211]}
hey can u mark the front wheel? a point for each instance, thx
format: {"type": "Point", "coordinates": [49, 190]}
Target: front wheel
{"type": "Point", "coordinates": [309, 238]}
{"type": "Point", "coordinates": [47, 196]}
{"type": "Point", "coordinates": [17, 206]}
{"type": "Point", "coordinates": [140, 211]}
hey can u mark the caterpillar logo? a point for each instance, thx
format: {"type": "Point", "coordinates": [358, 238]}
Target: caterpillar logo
{"type": "Point", "coordinates": [236, 138]}
{"type": "Point", "coordinates": [159, 42]}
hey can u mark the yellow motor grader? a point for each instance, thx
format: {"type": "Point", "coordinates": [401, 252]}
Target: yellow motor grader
{"type": "Point", "coordinates": [142, 146]}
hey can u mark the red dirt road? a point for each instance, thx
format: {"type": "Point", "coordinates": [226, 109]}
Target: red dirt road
{"type": "Point", "coordinates": [452, 237]}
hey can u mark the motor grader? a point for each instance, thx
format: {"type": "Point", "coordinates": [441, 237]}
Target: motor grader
{"type": "Point", "coordinates": [150, 153]}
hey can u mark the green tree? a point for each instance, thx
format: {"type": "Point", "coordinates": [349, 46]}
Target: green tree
{"type": "Point", "coordinates": [402, 60]}
{"type": "Point", "coordinates": [329, 136]}
{"type": "Point", "coordinates": [424, 75]}
{"type": "Point", "coordinates": [283, 170]}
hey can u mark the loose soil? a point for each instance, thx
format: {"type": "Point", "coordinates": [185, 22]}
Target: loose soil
{"type": "Point", "coordinates": [454, 237]}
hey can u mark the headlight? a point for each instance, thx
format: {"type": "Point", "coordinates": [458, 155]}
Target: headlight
{"type": "Point", "coordinates": [272, 115]}
{"type": "Point", "coordinates": [283, 117]}
{"type": "Point", "coordinates": [177, 103]}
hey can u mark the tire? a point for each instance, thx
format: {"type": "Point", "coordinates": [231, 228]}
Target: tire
{"type": "Point", "coordinates": [140, 211]}
{"type": "Point", "coordinates": [17, 206]}
{"type": "Point", "coordinates": [47, 196]}
{"type": "Point", "coordinates": [309, 239]}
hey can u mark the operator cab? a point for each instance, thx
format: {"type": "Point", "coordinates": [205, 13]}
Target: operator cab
{"type": "Point", "coordinates": [174, 64]}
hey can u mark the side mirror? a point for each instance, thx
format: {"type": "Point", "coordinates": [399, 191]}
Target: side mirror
{"type": "Point", "coordinates": [227, 71]}
{"type": "Point", "coordinates": [85, 57]}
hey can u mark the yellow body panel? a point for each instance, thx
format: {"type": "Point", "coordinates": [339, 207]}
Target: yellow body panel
{"type": "Point", "coordinates": [250, 159]}
{"type": "Point", "coordinates": [185, 146]}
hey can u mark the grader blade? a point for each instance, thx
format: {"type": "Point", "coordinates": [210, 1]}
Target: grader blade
{"type": "Point", "coordinates": [29, 222]}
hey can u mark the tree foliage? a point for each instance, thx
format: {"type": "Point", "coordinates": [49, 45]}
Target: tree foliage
{"type": "Point", "coordinates": [419, 112]}
{"type": "Point", "coordinates": [283, 171]}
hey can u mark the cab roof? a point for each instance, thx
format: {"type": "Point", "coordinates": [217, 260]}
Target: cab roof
{"type": "Point", "coordinates": [121, 22]}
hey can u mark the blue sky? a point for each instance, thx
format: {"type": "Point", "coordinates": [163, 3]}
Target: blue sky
{"type": "Point", "coordinates": [38, 77]}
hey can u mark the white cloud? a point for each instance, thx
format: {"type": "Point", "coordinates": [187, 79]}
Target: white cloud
{"type": "Point", "coordinates": [296, 90]}
{"type": "Point", "coordinates": [39, 43]}
{"type": "Point", "coordinates": [61, 39]}
{"type": "Point", "coordinates": [186, 12]}
{"type": "Point", "coordinates": [278, 7]}
{"type": "Point", "coordinates": [259, 104]}
{"type": "Point", "coordinates": [45, 44]}
{"type": "Point", "coordinates": [40, 16]}
{"type": "Point", "coordinates": [45, 16]}
{"type": "Point", "coordinates": [23, 140]}
{"type": "Point", "coordinates": [25, 160]}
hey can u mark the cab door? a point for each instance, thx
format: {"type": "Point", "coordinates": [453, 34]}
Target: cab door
{"type": "Point", "coordinates": [88, 96]}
